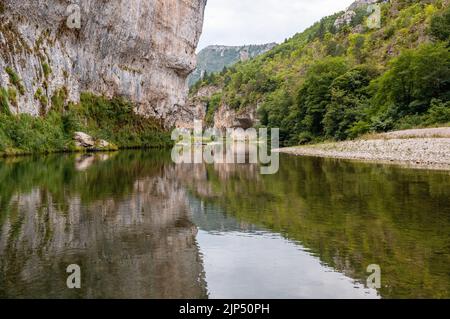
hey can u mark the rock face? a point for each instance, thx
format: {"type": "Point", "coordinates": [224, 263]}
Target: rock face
{"type": "Point", "coordinates": [215, 57]}
{"type": "Point", "coordinates": [350, 13]}
{"type": "Point", "coordinates": [228, 118]}
{"type": "Point", "coordinates": [140, 49]}
{"type": "Point", "coordinates": [196, 107]}
{"type": "Point", "coordinates": [224, 118]}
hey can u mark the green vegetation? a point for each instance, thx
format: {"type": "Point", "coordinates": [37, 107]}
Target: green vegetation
{"type": "Point", "coordinates": [328, 83]}
{"type": "Point", "coordinates": [42, 98]}
{"type": "Point", "coordinates": [115, 121]}
{"type": "Point", "coordinates": [59, 99]}
{"type": "Point", "coordinates": [412, 81]}
{"type": "Point", "coordinates": [440, 26]}
{"type": "Point", "coordinates": [47, 69]}
{"type": "Point", "coordinates": [27, 134]}
{"type": "Point", "coordinates": [4, 101]}
{"type": "Point", "coordinates": [12, 96]}
{"type": "Point", "coordinates": [15, 80]}
{"type": "Point", "coordinates": [213, 105]}
{"type": "Point", "coordinates": [112, 120]}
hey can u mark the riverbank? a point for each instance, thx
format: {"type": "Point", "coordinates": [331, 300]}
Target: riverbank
{"type": "Point", "coordinates": [421, 148]}
{"type": "Point", "coordinates": [107, 124]}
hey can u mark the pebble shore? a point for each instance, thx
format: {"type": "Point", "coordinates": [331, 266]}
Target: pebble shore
{"type": "Point", "coordinates": [428, 148]}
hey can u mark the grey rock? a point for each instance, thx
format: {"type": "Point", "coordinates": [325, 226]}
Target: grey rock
{"type": "Point", "coordinates": [83, 140]}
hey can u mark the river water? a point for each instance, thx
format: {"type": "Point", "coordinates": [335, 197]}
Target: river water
{"type": "Point", "coordinates": [140, 226]}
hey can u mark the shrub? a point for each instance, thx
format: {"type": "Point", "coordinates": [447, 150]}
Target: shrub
{"type": "Point", "coordinates": [43, 101]}
{"type": "Point", "coordinates": [4, 102]}
{"type": "Point", "coordinates": [440, 26]}
{"type": "Point", "coordinates": [12, 96]}
{"type": "Point", "coordinates": [15, 80]}
{"type": "Point", "coordinates": [358, 128]}
{"type": "Point", "coordinates": [212, 107]}
{"type": "Point", "coordinates": [47, 69]}
{"type": "Point", "coordinates": [59, 99]}
{"type": "Point", "coordinates": [439, 112]}
{"type": "Point", "coordinates": [33, 134]}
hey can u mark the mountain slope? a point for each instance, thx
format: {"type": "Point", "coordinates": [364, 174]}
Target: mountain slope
{"type": "Point", "coordinates": [215, 58]}
{"type": "Point", "coordinates": [341, 82]}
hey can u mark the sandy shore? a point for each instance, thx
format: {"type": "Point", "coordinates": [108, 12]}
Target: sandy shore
{"type": "Point", "coordinates": [427, 148]}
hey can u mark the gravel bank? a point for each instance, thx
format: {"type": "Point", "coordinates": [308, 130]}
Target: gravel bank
{"type": "Point", "coordinates": [430, 152]}
{"type": "Point", "coordinates": [441, 132]}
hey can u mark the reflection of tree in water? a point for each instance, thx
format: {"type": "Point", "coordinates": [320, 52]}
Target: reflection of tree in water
{"type": "Point", "coordinates": [123, 220]}
{"type": "Point", "coordinates": [350, 215]}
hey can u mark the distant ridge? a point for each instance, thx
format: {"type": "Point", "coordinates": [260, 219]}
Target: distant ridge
{"type": "Point", "coordinates": [215, 57]}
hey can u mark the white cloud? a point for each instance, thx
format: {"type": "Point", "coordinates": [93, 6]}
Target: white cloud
{"type": "Point", "coordinates": [239, 22]}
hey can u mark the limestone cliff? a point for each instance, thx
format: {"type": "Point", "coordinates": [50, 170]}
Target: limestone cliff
{"type": "Point", "coordinates": [349, 15]}
{"type": "Point", "coordinates": [141, 49]}
{"type": "Point", "coordinates": [224, 117]}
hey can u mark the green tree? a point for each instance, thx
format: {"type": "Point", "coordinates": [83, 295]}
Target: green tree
{"type": "Point", "coordinates": [413, 80]}
{"type": "Point", "coordinates": [315, 94]}
{"type": "Point", "coordinates": [349, 102]}
{"type": "Point", "coordinates": [440, 26]}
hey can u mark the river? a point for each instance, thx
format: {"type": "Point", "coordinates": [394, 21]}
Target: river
{"type": "Point", "coordinates": [140, 226]}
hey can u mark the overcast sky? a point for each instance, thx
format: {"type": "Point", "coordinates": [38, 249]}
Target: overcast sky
{"type": "Point", "coordinates": [239, 22]}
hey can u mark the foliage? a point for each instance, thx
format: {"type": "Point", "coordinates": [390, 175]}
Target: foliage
{"type": "Point", "coordinates": [46, 69]}
{"type": "Point", "coordinates": [15, 80]}
{"type": "Point", "coordinates": [12, 96]}
{"type": "Point", "coordinates": [59, 99]}
{"type": "Point", "coordinates": [413, 80]}
{"type": "Point", "coordinates": [4, 101]}
{"type": "Point", "coordinates": [440, 25]}
{"type": "Point", "coordinates": [315, 94]}
{"type": "Point", "coordinates": [213, 105]}
{"type": "Point", "coordinates": [439, 112]}
{"type": "Point", "coordinates": [115, 120]}
{"type": "Point", "coordinates": [349, 103]}
{"type": "Point", "coordinates": [27, 134]}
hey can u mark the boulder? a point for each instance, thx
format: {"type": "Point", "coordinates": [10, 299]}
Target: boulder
{"type": "Point", "coordinates": [83, 140]}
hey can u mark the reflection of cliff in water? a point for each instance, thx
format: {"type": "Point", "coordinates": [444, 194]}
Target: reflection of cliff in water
{"type": "Point", "coordinates": [131, 233]}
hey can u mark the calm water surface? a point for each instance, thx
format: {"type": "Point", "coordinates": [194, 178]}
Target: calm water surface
{"type": "Point", "coordinates": [140, 226]}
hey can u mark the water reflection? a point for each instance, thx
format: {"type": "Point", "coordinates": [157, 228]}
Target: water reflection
{"type": "Point", "coordinates": [143, 227]}
{"type": "Point", "coordinates": [123, 220]}
{"type": "Point", "coordinates": [242, 260]}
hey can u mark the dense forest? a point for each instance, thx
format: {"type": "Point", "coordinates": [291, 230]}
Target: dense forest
{"type": "Point", "coordinates": [338, 83]}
